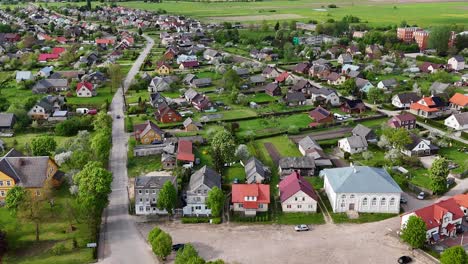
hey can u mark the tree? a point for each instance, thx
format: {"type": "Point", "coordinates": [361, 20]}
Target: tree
{"type": "Point", "coordinates": [397, 138]}
{"type": "Point", "coordinates": [88, 4]}
{"type": "Point", "coordinates": [43, 146]}
{"type": "Point", "coordinates": [288, 51]}
{"type": "Point", "coordinates": [15, 196]}
{"type": "Point", "coordinates": [222, 148]}
{"type": "Point", "coordinates": [154, 233]}
{"type": "Point", "coordinates": [231, 79]}
{"type": "Point", "coordinates": [438, 175]}
{"type": "Point", "coordinates": [242, 152]}
{"type": "Point", "coordinates": [215, 201]}
{"type": "Point", "coordinates": [188, 255]}
{"type": "Point", "coordinates": [115, 75]}
{"type": "Point", "coordinates": [439, 38]}
{"type": "Point", "coordinates": [454, 255]}
{"type": "Point", "coordinates": [277, 26]}
{"type": "Point", "coordinates": [414, 233]}
{"type": "Point", "coordinates": [167, 198]}
{"type": "Point", "coordinates": [349, 87]}
{"type": "Point", "coordinates": [375, 95]}
{"type": "Point", "coordinates": [103, 120]}
{"type": "Point", "coordinates": [162, 245]}
{"type": "Point", "coordinates": [140, 31]}
{"type": "Point", "coordinates": [101, 144]}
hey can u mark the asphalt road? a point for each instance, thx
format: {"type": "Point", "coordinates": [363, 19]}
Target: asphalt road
{"type": "Point", "coordinates": [120, 241]}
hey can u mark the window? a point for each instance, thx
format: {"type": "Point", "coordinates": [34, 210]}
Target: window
{"type": "Point", "coordinates": [303, 198]}
{"type": "Point", "coordinates": [8, 183]}
{"type": "Point", "coordinates": [2, 193]}
{"type": "Point", "coordinates": [351, 196]}
{"type": "Point", "coordinates": [295, 198]}
{"type": "Point", "coordinates": [260, 206]}
{"type": "Point", "coordinates": [374, 201]}
{"type": "Point", "coordinates": [147, 200]}
{"type": "Point", "coordinates": [154, 200]}
{"type": "Point", "coordinates": [241, 206]}
{"type": "Point", "coordinates": [154, 191]}
{"type": "Point", "coordinates": [311, 206]}
{"type": "Point", "coordinates": [364, 201]}
{"type": "Point", "coordinates": [146, 191]}
{"type": "Point", "coordinates": [392, 201]}
{"type": "Point", "coordinates": [299, 206]}
{"type": "Point", "coordinates": [141, 200]}
{"type": "Point", "coordinates": [139, 191]}
{"type": "Point", "coordinates": [383, 202]}
{"type": "Point", "coordinates": [148, 208]}
{"type": "Point", "coordinates": [140, 208]}
{"type": "Point", "coordinates": [38, 193]}
{"type": "Point", "coordinates": [343, 196]}
{"type": "Point", "coordinates": [288, 206]}
{"type": "Point", "coordinates": [1, 183]}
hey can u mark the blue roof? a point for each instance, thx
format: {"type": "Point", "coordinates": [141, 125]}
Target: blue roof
{"type": "Point", "coordinates": [360, 179]}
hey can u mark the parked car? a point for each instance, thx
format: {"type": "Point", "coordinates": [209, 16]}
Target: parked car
{"type": "Point", "coordinates": [405, 259]}
{"type": "Point", "coordinates": [299, 228]}
{"type": "Point", "coordinates": [403, 200]}
{"type": "Point", "coordinates": [118, 116]}
{"type": "Point", "coordinates": [177, 247]}
{"type": "Point", "coordinates": [450, 181]}
{"type": "Point", "coordinates": [421, 196]}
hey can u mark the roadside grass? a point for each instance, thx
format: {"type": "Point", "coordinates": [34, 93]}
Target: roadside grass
{"type": "Point", "coordinates": [342, 218]}
{"type": "Point", "coordinates": [301, 218]}
{"type": "Point", "coordinates": [139, 166]}
{"type": "Point", "coordinates": [54, 230]}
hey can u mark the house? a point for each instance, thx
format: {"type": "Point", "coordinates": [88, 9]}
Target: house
{"type": "Point", "coordinates": [202, 82]}
{"type": "Point", "coordinates": [282, 77]}
{"type": "Point", "coordinates": [361, 189]}
{"type": "Point", "coordinates": [270, 72]}
{"type": "Point", "coordinates": [45, 57]}
{"type": "Point", "coordinates": [406, 121]}
{"type": "Point", "coordinates": [429, 67]}
{"type": "Point", "coordinates": [162, 68]}
{"type": "Point", "coordinates": [273, 89]}
{"type": "Point", "coordinates": [201, 182]}
{"type": "Point", "coordinates": [156, 99]}
{"type": "Point", "coordinates": [456, 63]}
{"type": "Point", "coordinates": [188, 65]}
{"type": "Point", "coordinates": [348, 68]}
{"type": "Point", "coordinates": [148, 133]}
{"type": "Point", "coordinates": [345, 58]}
{"type": "Point", "coordinates": [304, 165]}
{"type": "Point", "coordinates": [363, 85]}
{"type": "Point", "coordinates": [250, 198]}
{"type": "Point", "coordinates": [190, 125]}
{"type": "Point", "coordinates": [146, 189]}
{"type": "Point", "coordinates": [30, 172]}
{"type": "Point", "coordinates": [24, 76]}
{"type": "Point", "coordinates": [104, 42]}
{"type": "Point", "coordinates": [320, 116]}
{"type": "Point", "coordinates": [438, 88]}
{"type": "Point", "coordinates": [353, 144]}
{"type": "Point", "coordinates": [210, 54]}
{"type": "Point", "coordinates": [457, 121]}
{"type": "Point", "coordinates": [308, 145]}
{"type": "Point", "coordinates": [166, 114]}
{"type": "Point", "coordinates": [419, 147]}
{"type": "Point", "coordinates": [201, 102]}
{"type": "Point", "coordinates": [404, 100]}
{"type": "Point", "coordinates": [301, 86]}
{"type": "Point", "coordinates": [364, 132]}
{"type": "Point", "coordinates": [442, 219]}
{"type": "Point", "coordinates": [257, 80]}
{"type": "Point", "coordinates": [324, 95]}
{"type": "Point", "coordinates": [388, 84]}
{"type": "Point", "coordinates": [255, 171]}
{"type": "Point", "coordinates": [50, 86]}
{"type": "Point", "coordinates": [458, 102]}
{"type": "Point", "coordinates": [428, 107]}
{"type": "Point", "coordinates": [297, 194]}
{"type": "Point", "coordinates": [302, 68]}
{"type": "Point", "coordinates": [7, 121]}
{"type": "Point", "coordinates": [353, 106]}
{"type": "Point", "coordinates": [85, 89]}
{"type": "Point", "coordinates": [335, 79]}
{"type": "Point", "coordinates": [294, 98]}
{"type": "Point", "coordinates": [185, 152]}
{"type": "Point", "coordinates": [160, 84]}
{"type": "Point", "coordinates": [45, 72]}
{"type": "Point", "coordinates": [46, 107]}
{"type": "Point", "coordinates": [168, 161]}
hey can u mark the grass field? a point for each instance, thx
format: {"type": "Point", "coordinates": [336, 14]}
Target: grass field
{"type": "Point", "coordinates": [376, 13]}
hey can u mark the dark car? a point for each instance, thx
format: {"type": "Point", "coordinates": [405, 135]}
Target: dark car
{"type": "Point", "coordinates": [405, 259]}
{"type": "Point", "coordinates": [403, 200]}
{"type": "Point", "coordinates": [177, 247]}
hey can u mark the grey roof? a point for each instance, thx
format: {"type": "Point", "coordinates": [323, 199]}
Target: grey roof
{"type": "Point", "coordinates": [295, 97]}
{"type": "Point", "coordinates": [6, 119]}
{"type": "Point", "coordinates": [190, 94]}
{"type": "Point", "coordinates": [189, 121]}
{"type": "Point", "coordinates": [407, 98]}
{"type": "Point", "coordinates": [389, 82]}
{"type": "Point", "coordinates": [357, 142]}
{"type": "Point", "coordinates": [459, 58]}
{"type": "Point", "coordinates": [254, 167]}
{"type": "Point", "coordinates": [257, 79]}
{"type": "Point", "coordinates": [153, 182]}
{"type": "Point", "coordinates": [31, 171]}
{"type": "Point", "coordinates": [242, 71]}
{"type": "Point", "coordinates": [360, 179]}
{"type": "Point", "coordinates": [361, 130]}
{"type": "Point", "coordinates": [188, 78]}
{"type": "Point", "coordinates": [438, 87]}
{"type": "Point", "coordinates": [206, 176]}
{"type": "Point", "coordinates": [308, 143]}
{"type": "Point", "coordinates": [201, 81]}
{"type": "Point", "coordinates": [321, 91]}
{"type": "Point", "coordinates": [297, 163]}
{"type": "Point", "coordinates": [461, 118]}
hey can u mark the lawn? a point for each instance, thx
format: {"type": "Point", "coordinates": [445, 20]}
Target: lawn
{"type": "Point", "coordinates": [139, 166]}
{"type": "Point", "coordinates": [301, 218]}
{"type": "Point", "coordinates": [262, 98]}
{"type": "Point", "coordinates": [268, 125]}
{"type": "Point", "coordinates": [376, 13]}
{"type": "Point", "coordinates": [19, 141]}
{"type": "Point", "coordinates": [54, 230]}
{"type": "Point", "coordinates": [234, 172]}
{"type": "Point", "coordinates": [316, 182]}
{"type": "Point", "coordinates": [203, 153]}
{"type": "Point", "coordinates": [103, 94]}
{"type": "Point", "coordinates": [283, 144]}
{"type": "Point", "coordinates": [457, 156]}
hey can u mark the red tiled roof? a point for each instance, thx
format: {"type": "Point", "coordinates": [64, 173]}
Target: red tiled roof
{"type": "Point", "coordinates": [58, 50]}
{"type": "Point", "coordinates": [282, 77]}
{"type": "Point", "coordinates": [433, 214]}
{"type": "Point", "coordinates": [190, 64]}
{"type": "Point", "coordinates": [47, 56]}
{"type": "Point", "coordinates": [61, 39]}
{"type": "Point", "coordinates": [459, 99]}
{"type": "Point", "coordinates": [461, 199]}
{"type": "Point", "coordinates": [185, 151]}
{"type": "Point", "coordinates": [293, 184]}
{"type": "Point", "coordinates": [260, 191]}
{"type": "Point", "coordinates": [105, 41]}
{"type": "Point", "coordinates": [88, 86]}
{"type": "Point", "coordinates": [418, 106]}
{"type": "Point", "coordinates": [319, 113]}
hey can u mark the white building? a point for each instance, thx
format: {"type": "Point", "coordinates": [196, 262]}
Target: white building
{"type": "Point", "coordinates": [353, 144]}
{"type": "Point", "coordinates": [457, 121]}
{"type": "Point", "coordinates": [456, 63]}
{"type": "Point", "coordinates": [361, 189]}
{"type": "Point", "coordinates": [297, 194]}
{"type": "Point", "coordinates": [147, 190]}
{"type": "Point", "coordinates": [201, 182]}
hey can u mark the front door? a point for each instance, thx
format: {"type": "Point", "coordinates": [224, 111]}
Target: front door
{"type": "Point", "coordinates": [351, 207]}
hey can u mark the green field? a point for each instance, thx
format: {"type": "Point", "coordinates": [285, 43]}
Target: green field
{"type": "Point", "coordinates": [376, 13]}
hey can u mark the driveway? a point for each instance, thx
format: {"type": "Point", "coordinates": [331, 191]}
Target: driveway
{"type": "Point", "coordinates": [350, 243]}
{"type": "Point", "coordinates": [120, 241]}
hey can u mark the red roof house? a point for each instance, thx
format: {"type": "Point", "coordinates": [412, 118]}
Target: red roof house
{"type": "Point", "coordinates": [85, 89]}
{"type": "Point", "coordinates": [188, 65]}
{"type": "Point", "coordinates": [297, 194]}
{"type": "Point", "coordinates": [250, 198]}
{"type": "Point", "coordinates": [61, 40]}
{"type": "Point", "coordinates": [44, 57]}
{"type": "Point", "coordinates": [320, 115]}
{"type": "Point", "coordinates": [282, 77]}
{"type": "Point", "coordinates": [185, 151]}
{"type": "Point", "coordinates": [406, 120]}
{"type": "Point", "coordinates": [458, 101]}
{"type": "Point", "coordinates": [428, 107]}
{"type": "Point", "coordinates": [105, 42]}
{"type": "Point", "coordinates": [58, 50]}
{"type": "Point", "coordinates": [442, 218]}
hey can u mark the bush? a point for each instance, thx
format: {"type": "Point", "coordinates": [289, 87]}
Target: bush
{"type": "Point", "coordinates": [58, 249]}
{"type": "Point", "coordinates": [332, 6]}
{"type": "Point", "coordinates": [195, 220]}
{"type": "Point", "coordinates": [216, 220]}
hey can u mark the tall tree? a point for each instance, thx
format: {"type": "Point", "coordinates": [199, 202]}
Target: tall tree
{"type": "Point", "coordinates": [454, 255]}
{"type": "Point", "coordinates": [375, 95]}
{"type": "Point", "coordinates": [231, 79]}
{"type": "Point", "coordinates": [438, 175]}
{"type": "Point", "coordinates": [188, 255]}
{"type": "Point", "coordinates": [397, 138]}
{"type": "Point", "coordinates": [223, 147]}
{"type": "Point", "coordinates": [215, 201]}
{"type": "Point", "coordinates": [162, 245]}
{"type": "Point", "coordinates": [14, 198]}
{"type": "Point", "coordinates": [414, 233]}
{"type": "Point", "coordinates": [43, 146]}
{"type": "Point", "coordinates": [439, 38]}
{"type": "Point", "coordinates": [115, 75]}
{"type": "Point", "coordinates": [88, 4]}
{"type": "Point", "coordinates": [167, 197]}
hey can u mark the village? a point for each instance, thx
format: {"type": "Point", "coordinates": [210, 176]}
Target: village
{"type": "Point", "coordinates": [130, 134]}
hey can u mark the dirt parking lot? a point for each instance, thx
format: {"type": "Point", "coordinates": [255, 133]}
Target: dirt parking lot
{"type": "Point", "coordinates": [366, 243]}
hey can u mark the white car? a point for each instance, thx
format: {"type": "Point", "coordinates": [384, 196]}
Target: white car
{"type": "Point", "coordinates": [299, 228]}
{"type": "Point", "coordinates": [421, 196]}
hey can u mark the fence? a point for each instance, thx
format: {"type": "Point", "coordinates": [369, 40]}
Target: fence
{"type": "Point", "coordinates": [418, 189]}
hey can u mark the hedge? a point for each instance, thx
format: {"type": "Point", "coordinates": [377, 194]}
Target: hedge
{"type": "Point", "coordinates": [198, 220]}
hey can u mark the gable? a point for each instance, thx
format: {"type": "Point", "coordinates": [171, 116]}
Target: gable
{"type": "Point", "coordinates": [5, 177]}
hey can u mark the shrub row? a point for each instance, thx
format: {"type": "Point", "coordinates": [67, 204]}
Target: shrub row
{"type": "Point", "coordinates": [198, 220]}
